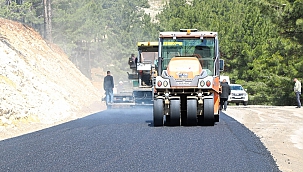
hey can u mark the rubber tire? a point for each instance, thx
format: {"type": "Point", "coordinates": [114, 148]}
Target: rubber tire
{"type": "Point", "coordinates": [158, 112]}
{"type": "Point", "coordinates": [191, 119]}
{"type": "Point", "coordinates": [217, 117]}
{"type": "Point", "coordinates": [208, 112]}
{"type": "Point", "coordinates": [245, 103]}
{"type": "Point", "coordinates": [200, 120]}
{"type": "Point", "coordinates": [167, 120]}
{"type": "Point", "coordinates": [175, 112]}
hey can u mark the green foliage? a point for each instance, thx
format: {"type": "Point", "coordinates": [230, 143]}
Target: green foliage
{"type": "Point", "coordinates": [255, 54]}
{"type": "Point", "coordinates": [103, 33]}
{"type": "Point", "coordinates": [24, 13]}
{"type": "Point", "coordinates": [260, 40]}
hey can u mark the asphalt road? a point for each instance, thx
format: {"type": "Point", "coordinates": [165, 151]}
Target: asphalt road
{"type": "Point", "coordinates": [125, 140]}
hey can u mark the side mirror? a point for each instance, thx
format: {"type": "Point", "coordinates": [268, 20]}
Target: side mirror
{"type": "Point", "coordinates": [221, 65]}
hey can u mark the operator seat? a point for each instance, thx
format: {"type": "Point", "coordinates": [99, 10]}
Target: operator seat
{"type": "Point", "coordinates": [203, 51]}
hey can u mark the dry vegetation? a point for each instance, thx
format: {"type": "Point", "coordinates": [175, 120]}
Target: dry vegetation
{"type": "Point", "coordinates": [38, 82]}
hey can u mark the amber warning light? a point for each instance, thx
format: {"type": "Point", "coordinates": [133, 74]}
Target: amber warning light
{"type": "Point", "coordinates": [188, 31]}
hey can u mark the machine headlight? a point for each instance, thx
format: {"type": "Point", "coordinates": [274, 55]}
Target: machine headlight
{"type": "Point", "coordinates": [202, 83]}
{"type": "Point", "coordinates": [208, 83]}
{"type": "Point", "coordinates": [165, 83]}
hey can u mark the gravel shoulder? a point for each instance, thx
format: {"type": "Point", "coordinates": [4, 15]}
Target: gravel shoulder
{"type": "Point", "coordinates": [279, 128]}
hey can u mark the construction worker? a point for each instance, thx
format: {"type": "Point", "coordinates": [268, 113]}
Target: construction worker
{"type": "Point", "coordinates": [224, 95]}
{"type": "Point", "coordinates": [297, 90]}
{"type": "Point", "coordinates": [108, 86]}
{"type": "Point", "coordinates": [133, 63]}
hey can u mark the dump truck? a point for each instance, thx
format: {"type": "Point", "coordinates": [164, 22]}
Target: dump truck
{"type": "Point", "coordinates": [141, 77]}
{"type": "Point", "coordinates": [187, 86]}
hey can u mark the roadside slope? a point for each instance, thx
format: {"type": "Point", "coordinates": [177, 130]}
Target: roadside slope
{"type": "Point", "coordinates": [37, 80]}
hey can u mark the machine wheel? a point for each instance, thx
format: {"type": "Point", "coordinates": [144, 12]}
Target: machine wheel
{"type": "Point", "coordinates": [245, 103]}
{"type": "Point", "coordinates": [237, 104]}
{"type": "Point", "coordinates": [175, 112]}
{"type": "Point", "coordinates": [217, 118]}
{"type": "Point", "coordinates": [158, 112]}
{"type": "Point", "coordinates": [209, 117]}
{"type": "Point", "coordinates": [191, 112]}
{"type": "Point", "coordinates": [167, 120]}
{"type": "Point", "coordinates": [200, 120]}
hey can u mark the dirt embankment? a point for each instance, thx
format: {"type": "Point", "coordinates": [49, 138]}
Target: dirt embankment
{"type": "Point", "coordinates": [38, 83]}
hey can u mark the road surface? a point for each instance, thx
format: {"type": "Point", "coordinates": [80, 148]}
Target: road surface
{"type": "Point", "coordinates": [125, 140]}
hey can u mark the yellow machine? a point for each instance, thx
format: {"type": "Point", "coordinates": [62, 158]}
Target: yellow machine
{"type": "Point", "coordinates": [187, 87]}
{"type": "Point", "coordinates": [143, 72]}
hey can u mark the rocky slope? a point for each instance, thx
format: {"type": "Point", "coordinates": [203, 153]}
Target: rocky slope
{"type": "Point", "coordinates": [37, 80]}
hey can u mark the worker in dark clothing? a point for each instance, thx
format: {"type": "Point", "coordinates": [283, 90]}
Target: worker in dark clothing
{"type": "Point", "coordinates": [108, 86]}
{"type": "Point", "coordinates": [224, 94]}
{"type": "Point", "coordinates": [133, 63]}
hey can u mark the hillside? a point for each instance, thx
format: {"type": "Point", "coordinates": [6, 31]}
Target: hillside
{"type": "Point", "coordinates": [156, 6]}
{"type": "Point", "coordinates": [40, 86]}
{"type": "Point", "coordinates": [37, 80]}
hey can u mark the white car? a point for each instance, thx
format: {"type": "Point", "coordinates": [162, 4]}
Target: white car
{"type": "Point", "coordinates": [237, 95]}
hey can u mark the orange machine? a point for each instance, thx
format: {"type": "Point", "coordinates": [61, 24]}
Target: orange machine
{"type": "Point", "coordinates": [187, 87]}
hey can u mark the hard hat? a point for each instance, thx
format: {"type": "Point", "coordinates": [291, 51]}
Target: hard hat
{"type": "Point", "coordinates": [121, 82]}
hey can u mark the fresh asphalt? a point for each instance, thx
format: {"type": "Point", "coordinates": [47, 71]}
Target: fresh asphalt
{"type": "Point", "coordinates": [125, 140]}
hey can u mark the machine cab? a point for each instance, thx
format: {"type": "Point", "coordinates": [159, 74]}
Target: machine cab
{"type": "Point", "coordinates": [146, 60]}
{"type": "Point", "coordinates": [188, 44]}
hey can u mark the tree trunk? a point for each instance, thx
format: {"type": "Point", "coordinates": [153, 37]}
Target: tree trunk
{"type": "Point", "coordinates": [47, 20]}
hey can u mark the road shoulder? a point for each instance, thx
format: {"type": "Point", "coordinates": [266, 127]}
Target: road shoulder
{"type": "Point", "coordinates": [280, 129]}
{"type": "Point", "coordinates": [29, 126]}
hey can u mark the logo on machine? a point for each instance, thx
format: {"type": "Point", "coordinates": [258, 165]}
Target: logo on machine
{"type": "Point", "coordinates": [183, 75]}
